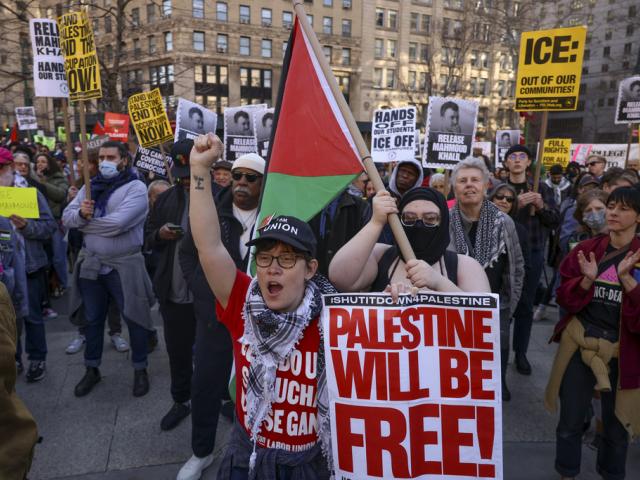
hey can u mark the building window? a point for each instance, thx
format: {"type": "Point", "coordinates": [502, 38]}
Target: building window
{"type": "Point", "coordinates": [255, 86]}
{"type": "Point", "coordinates": [426, 24]}
{"type": "Point", "coordinates": [168, 41]}
{"type": "Point", "coordinates": [608, 35]}
{"type": "Point", "coordinates": [379, 17]}
{"type": "Point", "coordinates": [327, 3]}
{"type": "Point", "coordinates": [136, 47]}
{"type": "Point", "coordinates": [198, 41]}
{"type": "Point", "coordinates": [606, 52]}
{"type": "Point", "coordinates": [482, 86]}
{"type": "Point", "coordinates": [500, 87]}
{"type": "Point", "coordinates": [625, 65]}
{"type": "Point", "coordinates": [391, 48]}
{"type": "Point", "coordinates": [95, 23]}
{"type": "Point", "coordinates": [377, 77]}
{"type": "Point", "coordinates": [198, 8]}
{"type": "Point", "coordinates": [611, 101]}
{"type": "Point", "coordinates": [413, 51]}
{"type": "Point", "coordinates": [222, 11]}
{"type": "Point", "coordinates": [379, 48]}
{"type": "Point", "coordinates": [265, 49]}
{"type": "Point", "coordinates": [107, 24]}
{"type": "Point", "coordinates": [211, 86]}
{"type": "Point", "coordinates": [327, 25]}
{"type": "Point", "coordinates": [266, 17]}
{"type": "Point", "coordinates": [473, 86]}
{"type": "Point", "coordinates": [343, 83]}
{"type": "Point", "coordinates": [629, 30]}
{"type": "Point", "coordinates": [287, 19]}
{"type": "Point", "coordinates": [484, 60]}
{"type": "Point", "coordinates": [346, 56]}
{"type": "Point", "coordinates": [284, 48]}
{"type": "Point", "coordinates": [166, 8]}
{"type": "Point", "coordinates": [161, 75]}
{"type": "Point", "coordinates": [391, 78]}
{"type": "Point", "coordinates": [245, 14]}
{"type": "Point", "coordinates": [393, 19]}
{"type": "Point", "coordinates": [587, 55]}
{"type": "Point", "coordinates": [152, 45]}
{"type": "Point", "coordinates": [222, 43]}
{"type": "Point", "coordinates": [632, 11]}
{"type": "Point", "coordinates": [135, 17]}
{"type": "Point", "coordinates": [601, 102]}
{"type": "Point", "coordinates": [328, 53]}
{"type": "Point", "coordinates": [414, 22]}
{"type": "Point", "coordinates": [424, 53]}
{"type": "Point", "coordinates": [346, 28]}
{"type": "Point", "coordinates": [151, 13]}
{"type": "Point", "coordinates": [627, 49]}
{"type": "Point", "coordinates": [310, 18]}
{"type": "Point", "coordinates": [605, 67]}
{"type": "Point", "coordinates": [245, 46]}
{"type": "Point", "coordinates": [411, 80]}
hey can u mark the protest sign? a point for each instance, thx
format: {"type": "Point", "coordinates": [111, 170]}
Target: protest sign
{"type": "Point", "coordinates": [628, 107]}
{"type": "Point", "coordinates": [116, 126]}
{"type": "Point", "coordinates": [414, 387]}
{"type": "Point", "coordinates": [150, 118]}
{"type": "Point", "coordinates": [193, 120]}
{"type": "Point", "coordinates": [483, 147]}
{"type": "Point", "coordinates": [151, 160]}
{"type": "Point", "coordinates": [615, 153]}
{"type": "Point", "coordinates": [239, 131]}
{"type": "Point", "coordinates": [556, 151]}
{"type": "Point", "coordinates": [49, 78]}
{"type": "Point", "coordinates": [549, 69]}
{"type": "Point", "coordinates": [451, 128]}
{"type": "Point", "coordinates": [62, 134]}
{"type": "Point", "coordinates": [263, 120]}
{"type": "Point", "coordinates": [96, 142]}
{"type": "Point", "coordinates": [80, 57]}
{"type": "Point", "coordinates": [26, 118]}
{"type": "Point", "coordinates": [505, 139]}
{"type": "Point", "coordinates": [393, 134]}
{"type": "Point", "coordinates": [49, 142]}
{"type": "Point", "coordinates": [19, 201]}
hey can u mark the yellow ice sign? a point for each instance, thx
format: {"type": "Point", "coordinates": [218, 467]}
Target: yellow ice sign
{"type": "Point", "coordinates": [556, 151]}
{"type": "Point", "coordinates": [149, 118]}
{"type": "Point", "coordinates": [549, 69]}
{"type": "Point", "coordinates": [80, 56]}
{"type": "Point", "coordinates": [19, 201]}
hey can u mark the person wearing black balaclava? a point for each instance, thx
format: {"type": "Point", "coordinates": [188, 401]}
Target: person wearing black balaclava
{"type": "Point", "coordinates": [364, 265]}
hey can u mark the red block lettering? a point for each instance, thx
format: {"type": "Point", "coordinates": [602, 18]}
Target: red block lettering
{"type": "Point", "coordinates": [353, 373]}
{"type": "Point", "coordinates": [339, 320]}
{"type": "Point", "coordinates": [478, 374]}
{"type": "Point", "coordinates": [420, 437]}
{"type": "Point", "coordinates": [481, 327]}
{"type": "Point", "coordinates": [449, 372]}
{"type": "Point", "coordinates": [453, 439]}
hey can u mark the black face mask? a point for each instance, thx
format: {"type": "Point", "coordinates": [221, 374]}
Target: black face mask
{"type": "Point", "coordinates": [422, 239]}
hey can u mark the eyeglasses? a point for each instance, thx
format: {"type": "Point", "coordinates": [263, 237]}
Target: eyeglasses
{"type": "Point", "coordinates": [518, 156]}
{"type": "Point", "coordinates": [508, 198]}
{"type": "Point", "coordinates": [286, 260]}
{"type": "Point", "coordinates": [251, 177]}
{"type": "Point", "coordinates": [591, 164]}
{"type": "Point", "coordinates": [430, 220]}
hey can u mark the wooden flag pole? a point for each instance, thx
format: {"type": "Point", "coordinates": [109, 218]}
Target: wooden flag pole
{"type": "Point", "coordinates": [85, 154]}
{"type": "Point", "coordinates": [166, 164]}
{"type": "Point", "coordinates": [536, 174]}
{"type": "Point", "coordinates": [68, 146]}
{"type": "Point", "coordinates": [629, 138]}
{"type": "Point", "coordinates": [363, 151]}
{"type": "Point", "coordinates": [447, 181]}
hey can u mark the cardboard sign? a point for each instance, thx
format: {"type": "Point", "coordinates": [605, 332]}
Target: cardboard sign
{"type": "Point", "coordinates": [116, 126]}
{"type": "Point", "coordinates": [26, 118]}
{"type": "Point", "coordinates": [615, 153]}
{"type": "Point", "coordinates": [193, 120]}
{"type": "Point", "coordinates": [393, 135]}
{"type": "Point", "coordinates": [150, 160]}
{"type": "Point", "coordinates": [149, 118]}
{"type": "Point", "coordinates": [80, 57]}
{"type": "Point", "coordinates": [414, 387]}
{"type": "Point", "coordinates": [549, 69]}
{"type": "Point", "coordinates": [263, 120]}
{"type": "Point", "coordinates": [49, 78]}
{"type": "Point", "coordinates": [628, 107]}
{"type": "Point", "coordinates": [556, 151]}
{"type": "Point", "coordinates": [451, 128]}
{"type": "Point", "coordinates": [19, 201]}
{"type": "Point", "coordinates": [505, 139]}
{"type": "Point", "coordinates": [240, 131]}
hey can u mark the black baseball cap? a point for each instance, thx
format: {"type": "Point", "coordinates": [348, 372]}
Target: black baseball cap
{"type": "Point", "coordinates": [289, 230]}
{"type": "Point", "coordinates": [180, 152]}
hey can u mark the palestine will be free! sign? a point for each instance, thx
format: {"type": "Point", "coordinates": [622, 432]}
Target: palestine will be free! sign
{"type": "Point", "coordinates": [80, 56]}
{"type": "Point", "coordinates": [414, 386]}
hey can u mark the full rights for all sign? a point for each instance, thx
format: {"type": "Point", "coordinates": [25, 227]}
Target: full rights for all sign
{"type": "Point", "coordinates": [49, 78]}
{"type": "Point", "coordinates": [149, 118]}
{"type": "Point", "coordinates": [628, 107]}
{"type": "Point", "coordinates": [151, 160]}
{"type": "Point", "coordinates": [414, 387]}
{"type": "Point", "coordinates": [556, 151]}
{"type": "Point", "coordinates": [80, 56]}
{"type": "Point", "coordinates": [26, 118]}
{"type": "Point", "coordinates": [451, 128]}
{"type": "Point", "coordinates": [549, 69]}
{"type": "Point", "coordinates": [393, 136]}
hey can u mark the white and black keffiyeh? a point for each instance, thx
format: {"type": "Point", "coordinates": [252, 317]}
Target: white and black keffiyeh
{"type": "Point", "coordinates": [489, 241]}
{"type": "Point", "coordinates": [272, 336]}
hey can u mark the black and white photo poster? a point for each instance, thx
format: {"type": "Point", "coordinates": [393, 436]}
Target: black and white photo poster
{"type": "Point", "coordinates": [628, 109]}
{"type": "Point", "coordinates": [451, 128]}
{"type": "Point", "coordinates": [505, 139]}
{"type": "Point", "coordinates": [49, 78]}
{"type": "Point", "coordinates": [239, 131]}
{"type": "Point", "coordinates": [26, 118]}
{"type": "Point", "coordinates": [193, 120]}
{"type": "Point", "coordinates": [393, 134]}
{"type": "Point", "coordinates": [263, 120]}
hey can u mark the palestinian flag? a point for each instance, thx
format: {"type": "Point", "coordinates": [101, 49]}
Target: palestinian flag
{"type": "Point", "coordinates": [312, 155]}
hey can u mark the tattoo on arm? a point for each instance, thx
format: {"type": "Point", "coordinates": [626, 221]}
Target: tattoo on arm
{"type": "Point", "coordinates": [198, 181]}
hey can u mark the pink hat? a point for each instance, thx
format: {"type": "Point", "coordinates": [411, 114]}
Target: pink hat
{"type": "Point", "coordinates": [5, 156]}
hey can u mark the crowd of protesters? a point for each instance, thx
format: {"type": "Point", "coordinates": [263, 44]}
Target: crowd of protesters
{"type": "Point", "coordinates": [140, 240]}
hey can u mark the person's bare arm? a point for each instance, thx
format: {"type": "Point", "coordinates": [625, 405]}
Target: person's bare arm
{"type": "Point", "coordinates": [216, 262]}
{"type": "Point", "coordinates": [471, 276]}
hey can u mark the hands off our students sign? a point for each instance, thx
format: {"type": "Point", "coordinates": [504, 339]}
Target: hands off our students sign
{"type": "Point", "coordinates": [414, 387]}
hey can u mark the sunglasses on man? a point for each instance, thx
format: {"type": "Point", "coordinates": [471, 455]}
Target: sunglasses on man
{"type": "Point", "coordinates": [596, 162]}
{"type": "Point", "coordinates": [251, 177]}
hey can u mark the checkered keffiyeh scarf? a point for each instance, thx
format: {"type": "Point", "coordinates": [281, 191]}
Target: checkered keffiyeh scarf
{"type": "Point", "coordinates": [489, 241]}
{"type": "Point", "coordinates": [272, 337]}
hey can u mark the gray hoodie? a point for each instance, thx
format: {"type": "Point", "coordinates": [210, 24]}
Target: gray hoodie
{"type": "Point", "coordinates": [392, 182]}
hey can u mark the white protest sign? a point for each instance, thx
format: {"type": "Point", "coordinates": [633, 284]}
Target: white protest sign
{"type": "Point", "coordinates": [628, 107]}
{"type": "Point", "coordinates": [49, 78]}
{"type": "Point", "coordinates": [263, 121]}
{"type": "Point", "coordinates": [505, 139]}
{"type": "Point", "coordinates": [26, 118]}
{"type": "Point", "coordinates": [615, 153]}
{"type": "Point", "coordinates": [240, 131]}
{"type": "Point", "coordinates": [393, 134]}
{"type": "Point", "coordinates": [451, 128]}
{"type": "Point", "coordinates": [414, 386]}
{"type": "Point", "coordinates": [193, 120]}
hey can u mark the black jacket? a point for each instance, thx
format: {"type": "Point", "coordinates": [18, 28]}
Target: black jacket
{"type": "Point", "coordinates": [351, 215]}
{"type": "Point", "coordinates": [168, 208]}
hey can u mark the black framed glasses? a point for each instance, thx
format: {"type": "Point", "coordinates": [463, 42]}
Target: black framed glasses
{"type": "Point", "coordinates": [285, 260]}
{"type": "Point", "coordinates": [508, 198]}
{"type": "Point", "coordinates": [591, 164]}
{"type": "Point", "coordinates": [251, 177]}
{"type": "Point", "coordinates": [518, 156]}
{"type": "Point", "coordinates": [430, 220]}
